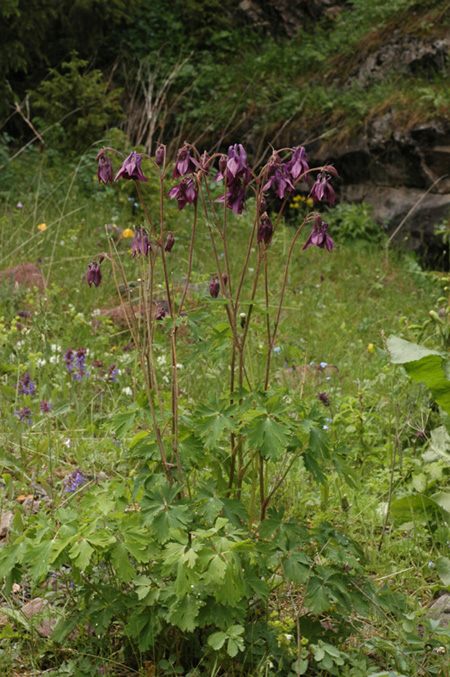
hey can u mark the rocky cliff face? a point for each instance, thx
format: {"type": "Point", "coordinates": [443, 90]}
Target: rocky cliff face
{"type": "Point", "coordinates": [401, 168]}
{"type": "Point", "coordinates": [285, 17]}
{"type": "Point", "coordinates": [401, 171]}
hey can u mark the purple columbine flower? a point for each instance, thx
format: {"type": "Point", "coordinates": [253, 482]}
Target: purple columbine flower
{"type": "Point", "coordinates": [265, 230]}
{"type": "Point", "coordinates": [141, 243]}
{"type": "Point", "coordinates": [324, 398]}
{"type": "Point", "coordinates": [279, 177]}
{"type": "Point", "coordinates": [160, 312]}
{"type": "Point", "coordinates": [26, 386]}
{"type": "Point", "coordinates": [105, 171]}
{"type": "Point", "coordinates": [131, 168]}
{"type": "Point", "coordinates": [24, 414]}
{"type": "Point", "coordinates": [75, 480]}
{"type": "Point", "coordinates": [262, 205]}
{"type": "Point", "coordinates": [45, 407]}
{"type": "Point", "coordinates": [214, 287]}
{"type": "Point", "coordinates": [185, 193]}
{"type": "Point", "coordinates": [185, 163]}
{"type": "Point", "coordinates": [298, 164]}
{"type": "Point", "coordinates": [94, 274]}
{"type": "Point", "coordinates": [170, 241]}
{"type": "Point", "coordinates": [204, 162]}
{"type": "Point", "coordinates": [322, 189]}
{"type": "Point", "coordinates": [319, 236]}
{"type": "Point", "coordinates": [237, 163]}
{"type": "Point", "coordinates": [160, 155]}
{"type": "Point", "coordinates": [234, 198]}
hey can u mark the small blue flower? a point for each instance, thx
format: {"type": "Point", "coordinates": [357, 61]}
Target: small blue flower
{"type": "Point", "coordinates": [327, 378]}
{"type": "Point", "coordinates": [277, 350]}
{"type": "Point", "coordinates": [324, 427]}
{"type": "Point", "coordinates": [431, 565]}
{"type": "Point", "coordinates": [323, 365]}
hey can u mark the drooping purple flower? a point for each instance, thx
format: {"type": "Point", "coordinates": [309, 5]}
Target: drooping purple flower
{"type": "Point", "coordinates": [262, 205]}
{"type": "Point", "coordinates": [26, 386]}
{"type": "Point", "coordinates": [94, 274]}
{"type": "Point", "coordinates": [24, 414]}
{"type": "Point", "coordinates": [324, 399]}
{"type": "Point", "coordinates": [322, 189]}
{"type": "Point", "coordinates": [234, 198]}
{"type": "Point", "coordinates": [160, 155]}
{"type": "Point", "coordinates": [279, 177]}
{"type": "Point", "coordinates": [45, 407]}
{"type": "Point", "coordinates": [185, 164]}
{"type": "Point", "coordinates": [319, 236]}
{"type": "Point", "coordinates": [204, 162]}
{"type": "Point", "coordinates": [160, 312]}
{"type": "Point", "coordinates": [170, 241]}
{"type": "Point", "coordinates": [75, 480]}
{"type": "Point", "coordinates": [298, 164]}
{"type": "Point", "coordinates": [237, 163]}
{"type": "Point", "coordinates": [141, 243]}
{"type": "Point", "coordinates": [185, 193]}
{"type": "Point", "coordinates": [131, 168]}
{"type": "Point", "coordinates": [105, 171]}
{"type": "Point", "coordinates": [214, 287]}
{"type": "Point", "coordinates": [265, 230]}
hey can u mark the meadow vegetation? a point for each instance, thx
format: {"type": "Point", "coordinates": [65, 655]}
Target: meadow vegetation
{"type": "Point", "coordinates": [158, 565]}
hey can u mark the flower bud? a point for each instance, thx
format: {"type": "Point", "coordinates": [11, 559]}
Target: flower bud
{"type": "Point", "coordinates": [160, 155]}
{"type": "Point", "coordinates": [225, 279]}
{"type": "Point", "coordinates": [169, 243]}
{"type": "Point", "coordinates": [214, 287]}
{"type": "Point", "coordinates": [94, 274]}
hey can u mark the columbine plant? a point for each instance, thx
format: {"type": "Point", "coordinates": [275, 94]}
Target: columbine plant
{"type": "Point", "coordinates": [266, 439]}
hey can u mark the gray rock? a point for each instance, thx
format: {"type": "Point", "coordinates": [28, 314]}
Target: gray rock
{"type": "Point", "coordinates": [440, 610]}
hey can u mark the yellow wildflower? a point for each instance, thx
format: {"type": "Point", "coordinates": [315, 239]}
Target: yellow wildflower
{"type": "Point", "coordinates": [127, 233]}
{"type": "Point", "coordinates": [371, 348]}
{"type": "Point", "coordinates": [42, 227]}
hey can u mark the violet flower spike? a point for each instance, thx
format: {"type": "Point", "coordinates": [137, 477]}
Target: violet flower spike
{"type": "Point", "coordinates": [298, 164]}
{"type": "Point", "coordinates": [24, 414]}
{"type": "Point", "coordinates": [185, 193]}
{"type": "Point", "coordinates": [45, 407]}
{"type": "Point", "coordinates": [131, 168]}
{"type": "Point", "coordinates": [185, 163]}
{"type": "Point", "coordinates": [26, 386]}
{"type": "Point", "coordinates": [94, 274]}
{"type": "Point", "coordinates": [319, 236]}
{"type": "Point", "coordinates": [322, 189]}
{"type": "Point", "coordinates": [105, 173]}
{"type": "Point", "coordinates": [75, 480]}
